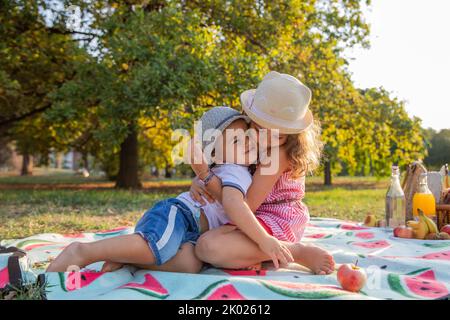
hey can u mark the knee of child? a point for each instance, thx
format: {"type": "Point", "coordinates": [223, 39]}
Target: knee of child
{"type": "Point", "coordinates": [195, 266]}
{"type": "Point", "coordinates": [206, 249]}
{"type": "Point", "coordinates": [77, 248]}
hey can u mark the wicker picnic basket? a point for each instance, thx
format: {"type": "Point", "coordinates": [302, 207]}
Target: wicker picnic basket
{"type": "Point", "coordinates": [409, 186]}
{"type": "Point", "coordinates": [443, 215]}
{"type": "Point", "coordinates": [443, 207]}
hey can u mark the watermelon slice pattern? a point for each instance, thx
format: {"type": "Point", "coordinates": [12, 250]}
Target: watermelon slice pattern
{"type": "Point", "coordinates": [111, 232]}
{"type": "Point", "coordinates": [437, 256]}
{"type": "Point", "coordinates": [31, 244]}
{"type": "Point", "coordinates": [150, 287]}
{"type": "Point", "coordinates": [247, 273]}
{"type": "Point", "coordinates": [365, 235]}
{"type": "Point", "coordinates": [421, 283]}
{"type": "Point", "coordinates": [319, 236]}
{"type": "Point", "coordinates": [77, 280]}
{"type": "Point", "coordinates": [220, 290]}
{"type": "Point", "coordinates": [351, 227]}
{"type": "Point", "coordinates": [304, 290]}
{"type": "Point", "coordinates": [375, 244]}
{"type": "Point", "coordinates": [437, 244]}
{"type": "Point", "coordinates": [4, 277]}
{"type": "Point", "coordinates": [73, 235]}
{"type": "Point", "coordinates": [443, 256]}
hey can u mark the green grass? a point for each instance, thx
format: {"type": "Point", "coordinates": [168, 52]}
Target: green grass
{"type": "Point", "coordinates": [49, 176]}
{"type": "Point", "coordinates": [346, 204]}
{"type": "Point", "coordinates": [28, 211]}
{"type": "Point", "coordinates": [32, 291]}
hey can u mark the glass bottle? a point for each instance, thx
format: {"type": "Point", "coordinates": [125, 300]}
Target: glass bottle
{"type": "Point", "coordinates": [424, 198]}
{"type": "Point", "coordinates": [395, 201]}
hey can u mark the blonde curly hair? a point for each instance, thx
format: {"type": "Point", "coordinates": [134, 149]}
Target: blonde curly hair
{"type": "Point", "coordinates": [304, 150]}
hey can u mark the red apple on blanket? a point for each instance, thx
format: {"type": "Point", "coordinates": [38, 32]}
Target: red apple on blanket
{"type": "Point", "coordinates": [404, 232]}
{"type": "Point", "coordinates": [351, 277]}
{"type": "Point", "coordinates": [446, 229]}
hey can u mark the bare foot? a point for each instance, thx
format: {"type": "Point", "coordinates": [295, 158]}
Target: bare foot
{"type": "Point", "coordinates": [314, 258]}
{"type": "Point", "coordinates": [110, 266]}
{"type": "Point", "coordinates": [70, 257]}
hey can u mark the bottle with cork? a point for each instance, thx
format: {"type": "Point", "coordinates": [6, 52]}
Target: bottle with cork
{"type": "Point", "coordinates": [395, 201]}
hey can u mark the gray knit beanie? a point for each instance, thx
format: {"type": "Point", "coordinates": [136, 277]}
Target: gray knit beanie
{"type": "Point", "coordinates": [219, 118]}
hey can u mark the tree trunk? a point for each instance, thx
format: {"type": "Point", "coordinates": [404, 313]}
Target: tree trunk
{"type": "Point", "coordinates": [168, 171]}
{"type": "Point", "coordinates": [84, 157]}
{"type": "Point", "coordinates": [128, 177]}
{"type": "Point", "coordinates": [27, 165]}
{"type": "Point", "coordinates": [75, 160]}
{"type": "Point", "coordinates": [327, 180]}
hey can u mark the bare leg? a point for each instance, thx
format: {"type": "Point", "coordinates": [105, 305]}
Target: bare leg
{"type": "Point", "coordinates": [110, 266]}
{"type": "Point", "coordinates": [184, 261]}
{"type": "Point", "coordinates": [228, 247]}
{"type": "Point", "coordinates": [123, 249]}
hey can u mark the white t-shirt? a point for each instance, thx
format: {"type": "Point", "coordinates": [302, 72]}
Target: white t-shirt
{"type": "Point", "coordinates": [232, 175]}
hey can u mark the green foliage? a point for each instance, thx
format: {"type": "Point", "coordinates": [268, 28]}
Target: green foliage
{"type": "Point", "coordinates": [370, 132]}
{"type": "Point", "coordinates": [35, 63]}
{"type": "Point", "coordinates": [185, 57]}
{"type": "Point", "coordinates": [149, 64]}
{"type": "Point", "coordinates": [153, 66]}
{"type": "Point", "coordinates": [396, 138]}
{"type": "Point", "coordinates": [439, 148]}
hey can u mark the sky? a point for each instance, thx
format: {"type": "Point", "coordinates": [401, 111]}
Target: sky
{"type": "Point", "coordinates": [409, 56]}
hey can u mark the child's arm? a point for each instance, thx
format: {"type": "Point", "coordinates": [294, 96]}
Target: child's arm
{"type": "Point", "coordinates": [197, 160]}
{"type": "Point", "coordinates": [241, 215]}
{"type": "Point", "coordinates": [260, 188]}
{"type": "Point", "coordinates": [212, 191]}
{"type": "Point", "coordinates": [201, 170]}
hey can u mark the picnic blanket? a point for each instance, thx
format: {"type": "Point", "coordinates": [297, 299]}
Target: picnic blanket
{"type": "Point", "coordinates": [396, 269]}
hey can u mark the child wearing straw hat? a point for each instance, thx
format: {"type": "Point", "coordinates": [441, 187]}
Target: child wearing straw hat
{"type": "Point", "coordinates": [280, 103]}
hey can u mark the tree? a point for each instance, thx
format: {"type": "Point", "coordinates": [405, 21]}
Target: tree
{"type": "Point", "coordinates": [396, 138]}
{"type": "Point", "coordinates": [438, 148]}
{"type": "Point", "coordinates": [145, 67]}
{"type": "Point", "coordinates": [35, 63]}
{"type": "Point", "coordinates": [149, 59]}
{"type": "Point", "coordinates": [223, 47]}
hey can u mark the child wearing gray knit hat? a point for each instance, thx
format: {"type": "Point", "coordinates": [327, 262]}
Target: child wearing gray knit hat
{"type": "Point", "coordinates": [218, 118]}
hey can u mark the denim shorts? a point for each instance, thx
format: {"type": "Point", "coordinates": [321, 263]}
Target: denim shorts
{"type": "Point", "coordinates": [166, 226]}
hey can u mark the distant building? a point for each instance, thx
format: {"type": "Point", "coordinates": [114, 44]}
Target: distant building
{"type": "Point", "coordinates": [71, 160]}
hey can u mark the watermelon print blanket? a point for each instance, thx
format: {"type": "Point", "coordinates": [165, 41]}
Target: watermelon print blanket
{"type": "Point", "coordinates": [396, 269]}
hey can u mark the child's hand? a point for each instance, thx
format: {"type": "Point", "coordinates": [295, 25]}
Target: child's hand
{"type": "Point", "coordinates": [197, 159]}
{"type": "Point", "coordinates": [198, 191]}
{"type": "Point", "coordinates": [276, 251]}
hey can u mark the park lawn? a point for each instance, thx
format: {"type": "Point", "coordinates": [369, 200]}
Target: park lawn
{"type": "Point", "coordinates": [28, 211]}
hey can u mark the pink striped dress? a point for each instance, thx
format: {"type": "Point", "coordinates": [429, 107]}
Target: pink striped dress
{"type": "Point", "coordinates": [283, 211]}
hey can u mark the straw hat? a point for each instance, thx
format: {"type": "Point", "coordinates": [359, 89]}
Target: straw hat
{"type": "Point", "coordinates": [279, 102]}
